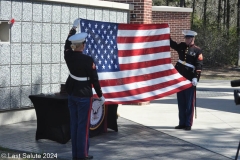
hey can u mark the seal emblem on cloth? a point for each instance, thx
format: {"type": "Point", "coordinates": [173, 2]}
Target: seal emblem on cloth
{"type": "Point", "coordinates": [97, 114]}
{"type": "Point", "coordinates": [192, 53]}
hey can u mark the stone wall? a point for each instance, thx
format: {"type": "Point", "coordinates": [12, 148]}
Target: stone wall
{"type": "Point", "coordinates": [33, 62]}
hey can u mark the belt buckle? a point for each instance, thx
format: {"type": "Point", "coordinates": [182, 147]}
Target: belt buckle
{"type": "Point", "coordinates": [184, 62]}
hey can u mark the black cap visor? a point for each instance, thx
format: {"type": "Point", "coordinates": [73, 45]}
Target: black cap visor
{"type": "Point", "coordinates": [189, 36]}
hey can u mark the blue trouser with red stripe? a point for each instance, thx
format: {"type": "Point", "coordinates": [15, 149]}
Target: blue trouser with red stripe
{"type": "Point", "coordinates": [186, 106]}
{"type": "Point", "coordinates": [80, 109]}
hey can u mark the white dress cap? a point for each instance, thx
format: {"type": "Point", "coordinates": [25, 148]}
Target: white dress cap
{"type": "Point", "coordinates": [78, 38]}
{"type": "Point", "coordinates": [189, 33]}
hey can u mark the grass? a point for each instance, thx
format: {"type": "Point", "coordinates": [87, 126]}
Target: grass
{"type": "Point", "coordinates": [221, 73]}
{"type": "Point", "coordinates": [220, 77]}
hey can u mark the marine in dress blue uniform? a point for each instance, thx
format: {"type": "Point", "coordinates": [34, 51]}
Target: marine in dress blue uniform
{"type": "Point", "coordinates": [82, 76]}
{"type": "Point", "coordinates": [189, 66]}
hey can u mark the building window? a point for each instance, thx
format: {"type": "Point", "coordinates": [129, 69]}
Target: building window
{"type": "Point", "coordinates": [4, 32]}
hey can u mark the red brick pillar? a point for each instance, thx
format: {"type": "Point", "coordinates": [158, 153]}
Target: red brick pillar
{"type": "Point", "coordinates": [142, 10]}
{"type": "Point", "coordinates": [177, 21]}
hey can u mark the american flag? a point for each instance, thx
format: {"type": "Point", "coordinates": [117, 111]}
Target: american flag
{"type": "Point", "coordinates": [133, 61]}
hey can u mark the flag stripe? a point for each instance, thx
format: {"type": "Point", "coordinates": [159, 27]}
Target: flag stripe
{"type": "Point", "coordinates": [142, 38]}
{"type": "Point", "coordinates": [142, 45]}
{"type": "Point", "coordinates": [137, 85]}
{"type": "Point", "coordinates": [141, 26]}
{"type": "Point", "coordinates": [137, 33]}
{"type": "Point", "coordinates": [142, 89]}
{"type": "Point", "coordinates": [144, 58]}
{"type": "Point", "coordinates": [128, 80]}
{"type": "Point", "coordinates": [156, 95]}
{"type": "Point", "coordinates": [134, 72]}
{"type": "Point", "coordinates": [144, 64]}
{"type": "Point", "coordinates": [144, 51]}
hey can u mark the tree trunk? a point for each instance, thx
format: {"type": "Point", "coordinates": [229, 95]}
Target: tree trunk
{"type": "Point", "coordinates": [238, 16]}
{"type": "Point", "coordinates": [182, 3]}
{"type": "Point", "coordinates": [224, 13]}
{"type": "Point", "coordinates": [205, 13]}
{"type": "Point", "coordinates": [193, 7]}
{"type": "Point", "coordinates": [238, 31]}
{"type": "Point", "coordinates": [228, 15]}
{"type": "Point", "coordinates": [219, 17]}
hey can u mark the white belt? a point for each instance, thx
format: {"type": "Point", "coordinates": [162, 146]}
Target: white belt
{"type": "Point", "coordinates": [79, 78]}
{"type": "Point", "coordinates": [186, 64]}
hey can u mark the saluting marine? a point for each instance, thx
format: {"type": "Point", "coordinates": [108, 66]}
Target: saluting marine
{"type": "Point", "coordinates": [189, 66]}
{"type": "Point", "coordinates": [83, 75]}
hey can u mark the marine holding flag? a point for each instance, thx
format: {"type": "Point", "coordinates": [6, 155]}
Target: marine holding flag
{"type": "Point", "coordinates": [83, 75]}
{"type": "Point", "coordinates": [189, 66]}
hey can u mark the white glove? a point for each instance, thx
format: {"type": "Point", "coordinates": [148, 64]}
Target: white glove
{"type": "Point", "coordinates": [76, 23]}
{"type": "Point", "coordinates": [194, 82]}
{"type": "Point", "coordinates": [102, 100]}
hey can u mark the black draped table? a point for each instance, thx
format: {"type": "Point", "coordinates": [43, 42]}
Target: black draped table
{"type": "Point", "coordinates": [53, 118]}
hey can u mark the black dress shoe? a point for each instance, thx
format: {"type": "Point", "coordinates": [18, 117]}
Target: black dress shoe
{"type": "Point", "coordinates": [187, 128]}
{"type": "Point", "coordinates": [179, 127]}
{"type": "Point", "coordinates": [89, 157]}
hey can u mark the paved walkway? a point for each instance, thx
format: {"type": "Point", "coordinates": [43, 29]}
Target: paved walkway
{"type": "Point", "coordinates": [146, 132]}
